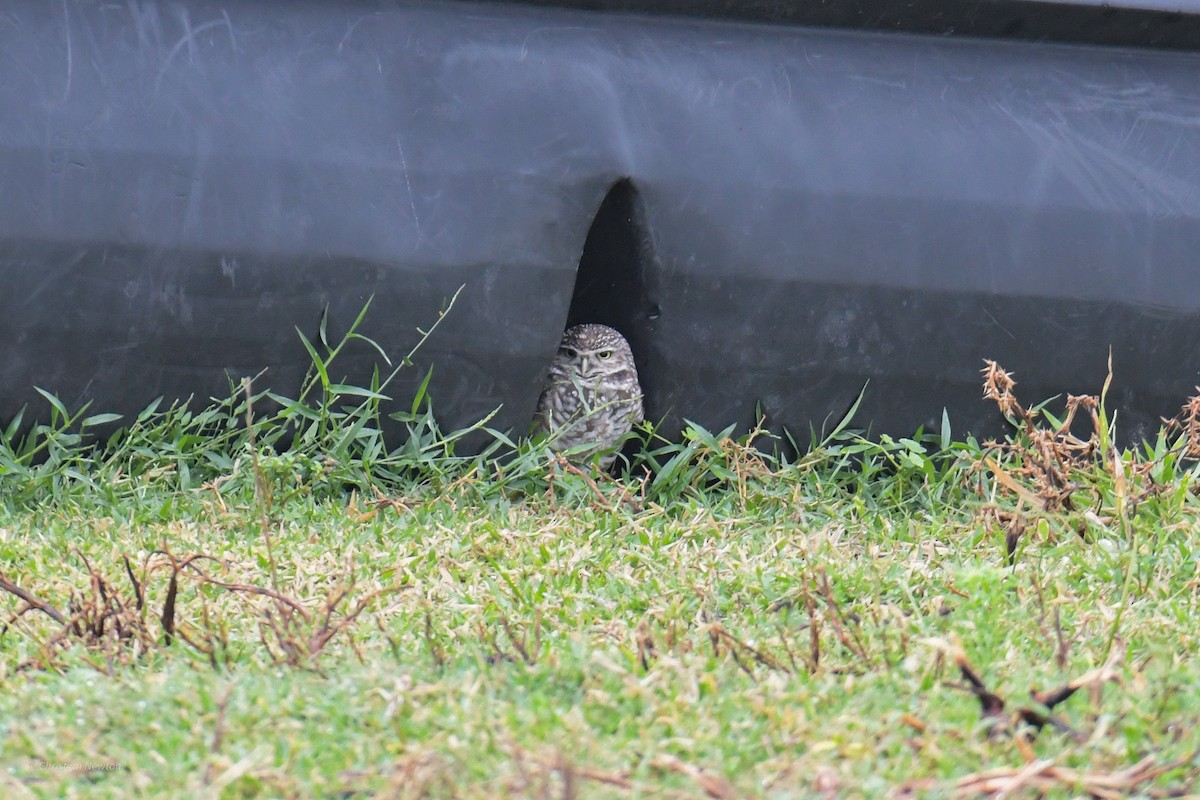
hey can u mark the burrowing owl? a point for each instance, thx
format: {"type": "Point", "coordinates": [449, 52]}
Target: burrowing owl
{"type": "Point", "coordinates": [592, 395]}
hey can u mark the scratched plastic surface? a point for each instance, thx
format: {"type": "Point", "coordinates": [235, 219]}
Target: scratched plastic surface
{"type": "Point", "coordinates": [802, 210]}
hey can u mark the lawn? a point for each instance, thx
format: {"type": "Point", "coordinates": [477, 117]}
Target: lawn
{"type": "Point", "coordinates": [225, 604]}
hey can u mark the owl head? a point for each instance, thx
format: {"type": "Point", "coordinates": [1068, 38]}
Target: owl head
{"type": "Point", "coordinates": [593, 351]}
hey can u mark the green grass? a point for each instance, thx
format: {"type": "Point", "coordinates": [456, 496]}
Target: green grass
{"type": "Point", "coordinates": [413, 622]}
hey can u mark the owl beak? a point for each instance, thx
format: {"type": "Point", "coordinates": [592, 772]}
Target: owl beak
{"type": "Point", "coordinates": [585, 366]}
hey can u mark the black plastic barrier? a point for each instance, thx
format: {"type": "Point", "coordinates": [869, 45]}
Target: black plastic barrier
{"type": "Point", "coordinates": [773, 213]}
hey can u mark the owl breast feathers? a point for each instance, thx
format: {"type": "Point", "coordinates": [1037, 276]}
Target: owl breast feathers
{"type": "Point", "coordinates": [591, 395]}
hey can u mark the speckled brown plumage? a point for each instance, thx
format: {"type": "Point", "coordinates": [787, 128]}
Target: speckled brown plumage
{"type": "Point", "coordinates": [591, 395]}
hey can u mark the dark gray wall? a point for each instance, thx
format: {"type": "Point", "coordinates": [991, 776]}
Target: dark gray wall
{"type": "Point", "coordinates": [806, 209]}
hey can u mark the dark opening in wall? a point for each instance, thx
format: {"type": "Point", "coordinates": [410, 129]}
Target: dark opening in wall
{"type": "Point", "coordinates": [610, 287]}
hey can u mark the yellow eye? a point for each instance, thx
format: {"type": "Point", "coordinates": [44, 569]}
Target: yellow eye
{"type": "Point", "coordinates": [603, 355]}
{"type": "Point", "coordinates": [569, 352]}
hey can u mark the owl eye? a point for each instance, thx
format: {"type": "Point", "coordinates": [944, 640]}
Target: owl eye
{"type": "Point", "coordinates": [569, 352]}
{"type": "Point", "coordinates": [604, 355]}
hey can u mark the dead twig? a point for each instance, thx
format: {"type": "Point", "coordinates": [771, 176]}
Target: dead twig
{"type": "Point", "coordinates": [30, 601]}
{"type": "Point", "coordinates": [1043, 776]}
{"type": "Point", "coordinates": [992, 705]}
